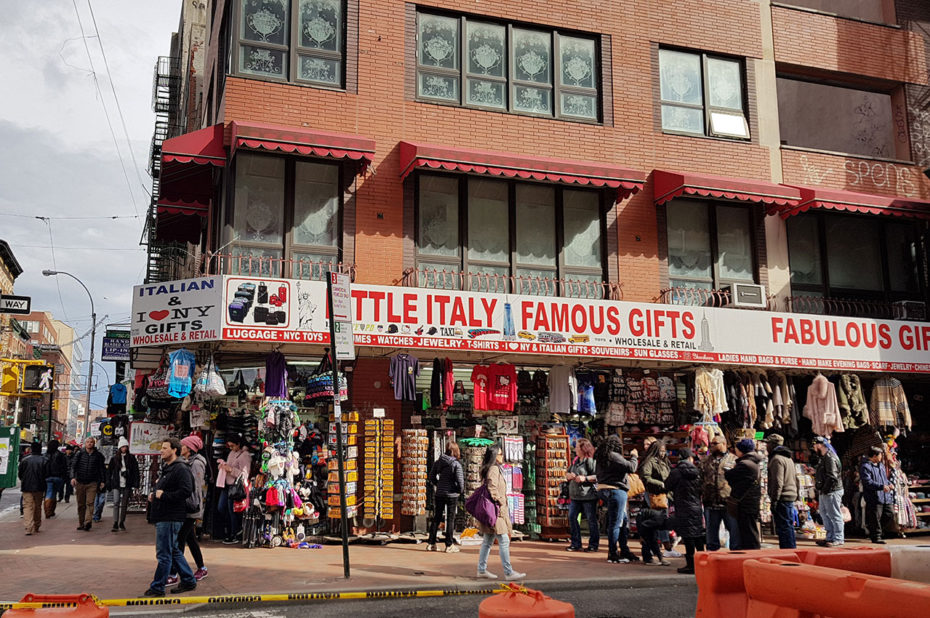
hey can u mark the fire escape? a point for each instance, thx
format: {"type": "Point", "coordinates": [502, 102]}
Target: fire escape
{"type": "Point", "coordinates": [166, 105]}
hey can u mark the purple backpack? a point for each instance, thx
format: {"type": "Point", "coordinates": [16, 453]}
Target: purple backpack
{"type": "Point", "coordinates": [480, 505]}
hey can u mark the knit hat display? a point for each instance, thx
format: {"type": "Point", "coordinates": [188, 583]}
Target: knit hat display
{"type": "Point", "coordinates": [746, 445]}
{"type": "Point", "coordinates": [192, 442]}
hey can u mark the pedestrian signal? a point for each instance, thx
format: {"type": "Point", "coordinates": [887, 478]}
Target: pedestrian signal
{"type": "Point", "coordinates": [38, 378]}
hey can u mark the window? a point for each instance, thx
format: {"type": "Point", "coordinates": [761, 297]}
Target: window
{"type": "Point", "coordinates": [850, 257]}
{"type": "Point", "coordinates": [293, 40]}
{"type": "Point", "coordinates": [702, 94]}
{"type": "Point", "coordinates": [549, 239]}
{"type": "Point", "coordinates": [709, 244]}
{"type": "Point", "coordinates": [286, 217]}
{"type": "Point", "coordinates": [846, 120]}
{"type": "Point", "coordinates": [476, 63]}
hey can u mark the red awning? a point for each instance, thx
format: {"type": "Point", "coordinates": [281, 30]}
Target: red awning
{"type": "Point", "coordinates": [203, 147]}
{"type": "Point", "coordinates": [837, 199]}
{"type": "Point", "coordinates": [415, 155]}
{"type": "Point", "coordinates": [309, 142]}
{"type": "Point", "coordinates": [187, 165]}
{"type": "Point", "coordinates": [183, 207]}
{"type": "Point", "coordinates": [669, 185]}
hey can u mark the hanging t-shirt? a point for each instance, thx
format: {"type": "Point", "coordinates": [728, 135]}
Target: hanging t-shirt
{"type": "Point", "coordinates": [180, 373]}
{"type": "Point", "coordinates": [562, 389]}
{"type": "Point", "coordinates": [118, 394]}
{"type": "Point", "coordinates": [503, 391]}
{"type": "Point", "coordinates": [586, 394]}
{"type": "Point", "coordinates": [404, 371]}
{"type": "Point", "coordinates": [448, 384]}
{"type": "Point", "coordinates": [480, 377]}
{"type": "Point", "coordinates": [276, 375]}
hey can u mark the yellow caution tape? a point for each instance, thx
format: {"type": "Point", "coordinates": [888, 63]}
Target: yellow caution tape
{"type": "Point", "coordinates": [234, 599]}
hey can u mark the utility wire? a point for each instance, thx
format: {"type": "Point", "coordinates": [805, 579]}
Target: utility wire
{"type": "Point", "coordinates": [119, 109]}
{"type": "Point", "coordinates": [51, 242]}
{"type": "Point", "coordinates": [80, 248]}
{"type": "Point", "coordinates": [14, 214]}
{"type": "Point", "coordinates": [106, 112]}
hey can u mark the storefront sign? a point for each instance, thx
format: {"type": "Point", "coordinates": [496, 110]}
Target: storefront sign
{"type": "Point", "coordinates": [177, 312]}
{"type": "Point", "coordinates": [146, 438]}
{"type": "Point", "coordinates": [418, 318]}
{"type": "Point", "coordinates": [115, 349]}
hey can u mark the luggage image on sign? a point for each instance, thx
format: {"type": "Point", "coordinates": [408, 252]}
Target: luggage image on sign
{"type": "Point", "coordinates": [262, 292]}
{"type": "Point", "coordinates": [237, 311]}
{"type": "Point", "coordinates": [248, 289]}
{"type": "Point", "coordinates": [260, 314]}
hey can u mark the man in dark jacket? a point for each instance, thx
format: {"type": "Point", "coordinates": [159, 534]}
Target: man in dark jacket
{"type": "Point", "coordinates": [746, 490]}
{"type": "Point", "coordinates": [168, 512]}
{"type": "Point", "coordinates": [449, 479]}
{"type": "Point", "coordinates": [88, 476]}
{"type": "Point", "coordinates": [783, 490]}
{"type": "Point", "coordinates": [612, 474]}
{"type": "Point", "coordinates": [70, 451]}
{"type": "Point", "coordinates": [33, 472]}
{"type": "Point", "coordinates": [877, 493]}
{"type": "Point", "coordinates": [57, 473]}
{"type": "Point", "coordinates": [714, 493]}
{"type": "Point", "coordinates": [684, 485]}
{"type": "Point", "coordinates": [828, 480]}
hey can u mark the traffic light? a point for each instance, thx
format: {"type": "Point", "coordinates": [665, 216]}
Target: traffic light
{"type": "Point", "coordinates": [9, 383]}
{"type": "Point", "coordinates": [38, 378]}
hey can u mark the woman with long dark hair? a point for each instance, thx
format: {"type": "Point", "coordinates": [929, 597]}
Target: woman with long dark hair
{"type": "Point", "coordinates": [654, 471]}
{"type": "Point", "coordinates": [449, 480]}
{"type": "Point", "coordinates": [493, 477]}
{"type": "Point", "coordinates": [611, 470]}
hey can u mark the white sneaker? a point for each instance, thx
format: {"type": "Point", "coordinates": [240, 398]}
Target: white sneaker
{"type": "Point", "coordinates": [486, 575]}
{"type": "Point", "coordinates": [431, 547]}
{"type": "Point", "coordinates": [671, 554]}
{"type": "Point", "coordinates": [452, 549]}
{"type": "Point", "coordinates": [515, 575]}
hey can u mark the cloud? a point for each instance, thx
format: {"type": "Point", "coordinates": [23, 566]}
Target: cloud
{"type": "Point", "coordinates": [59, 159]}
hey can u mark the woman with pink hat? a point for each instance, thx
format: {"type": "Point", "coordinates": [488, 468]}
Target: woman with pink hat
{"type": "Point", "coordinates": [190, 451]}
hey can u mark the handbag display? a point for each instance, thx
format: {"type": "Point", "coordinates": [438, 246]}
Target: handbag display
{"type": "Point", "coordinates": [481, 507]}
{"type": "Point", "coordinates": [158, 382]}
{"type": "Point", "coordinates": [210, 383]}
{"type": "Point", "coordinates": [658, 501]}
{"type": "Point", "coordinates": [320, 382]}
{"type": "Point", "coordinates": [637, 488]}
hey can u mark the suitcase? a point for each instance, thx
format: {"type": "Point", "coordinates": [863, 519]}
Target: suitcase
{"type": "Point", "coordinates": [260, 314]}
{"type": "Point", "coordinates": [248, 289]}
{"type": "Point", "coordinates": [237, 311]}
{"type": "Point", "coordinates": [281, 317]}
{"type": "Point", "coordinates": [271, 319]}
{"type": "Point", "coordinates": [262, 293]}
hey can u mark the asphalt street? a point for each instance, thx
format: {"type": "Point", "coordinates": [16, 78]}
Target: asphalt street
{"type": "Point", "coordinates": [672, 601]}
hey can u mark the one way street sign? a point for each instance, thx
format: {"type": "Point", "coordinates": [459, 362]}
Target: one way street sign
{"type": "Point", "coordinates": [21, 305]}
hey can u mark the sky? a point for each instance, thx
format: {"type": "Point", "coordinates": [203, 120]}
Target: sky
{"type": "Point", "coordinates": [59, 159]}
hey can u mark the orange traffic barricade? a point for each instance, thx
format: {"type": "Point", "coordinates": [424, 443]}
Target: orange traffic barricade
{"type": "Point", "coordinates": [776, 588]}
{"type": "Point", "coordinates": [520, 602]}
{"type": "Point", "coordinates": [719, 575]}
{"type": "Point", "coordinates": [64, 605]}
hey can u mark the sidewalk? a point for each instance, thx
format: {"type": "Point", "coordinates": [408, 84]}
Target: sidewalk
{"type": "Point", "coordinates": [62, 560]}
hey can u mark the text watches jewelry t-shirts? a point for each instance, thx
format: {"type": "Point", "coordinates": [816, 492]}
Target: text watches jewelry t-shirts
{"type": "Point", "coordinates": [480, 377]}
{"type": "Point", "coordinates": [562, 389]}
{"type": "Point", "coordinates": [503, 391]}
{"type": "Point", "coordinates": [404, 371]}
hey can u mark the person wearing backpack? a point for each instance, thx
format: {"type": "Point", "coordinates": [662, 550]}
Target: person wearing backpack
{"type": "Point", "coordinates": [190, 452]}
{"type": "Point", "coordinates": [493, 478]}
{"type": "Point", "coordinates": [449, 479]}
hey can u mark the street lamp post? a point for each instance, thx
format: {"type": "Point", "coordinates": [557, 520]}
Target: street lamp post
{"type": "Point", "coordinates": [93, 336]}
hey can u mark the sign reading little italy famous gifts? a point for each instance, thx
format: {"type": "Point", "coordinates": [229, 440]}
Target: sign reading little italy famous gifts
{"type": "Point", "coordinates": [292, 311]}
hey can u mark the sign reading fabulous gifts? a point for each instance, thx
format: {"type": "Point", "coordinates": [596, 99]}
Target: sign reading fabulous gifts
{"type": "Point", "coordinates": [282, 311]}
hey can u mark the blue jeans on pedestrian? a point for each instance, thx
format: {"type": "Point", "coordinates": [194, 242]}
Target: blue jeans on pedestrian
{"type": "Point", "coordinates": [503, 543]}
{"type": "Point", "coordinates": [712, 519]}
{"type": "Point", "coordinates": [589, 508]}
{"type": "Point", "coordinates": [99, 502]}
{"type": "Point", "coordinates": [615, 499]}
{"type": "Point", "coordinates": [783, 514]}
{"type": "Point", "coordinates": [832, 516]}
{"type": "Point", "coordinates": [53, 486]}
{"type": "Point", "coordinates": [170, 558]}
{"type": "Point", "coordinates": [228, 520]}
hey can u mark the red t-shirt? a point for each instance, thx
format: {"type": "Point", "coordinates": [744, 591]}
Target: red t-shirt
{"type": "Point", "coordinates": [503, 393]}
{"type": "Point", "coordinates": [481, 378]}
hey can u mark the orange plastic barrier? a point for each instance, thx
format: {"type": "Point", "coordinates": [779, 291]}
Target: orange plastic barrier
{"type": "Point", "coordinates": [719, 575]}
{"type": "Point", "coordinates": [84, 606]}
{"type": "Point", "coordinates": [776, 588]}
{"type": "Point", "coordinates": [521, 602]}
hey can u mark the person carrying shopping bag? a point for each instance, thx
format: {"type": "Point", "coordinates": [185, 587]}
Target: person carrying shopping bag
{"type": "Point", "coordinates": [493, 478]}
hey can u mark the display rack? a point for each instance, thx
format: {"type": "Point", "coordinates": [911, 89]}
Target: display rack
{"type": "Point", "coordinates": [378, 495]}
{"type": "Point", "coordinates": [914, 487]}
{"type": "Point", "coordinates": [414, 450]}
{"type": "Point", "coordinates": [552, 459]}
{"type": "Point", "coordinates": [350, 444]}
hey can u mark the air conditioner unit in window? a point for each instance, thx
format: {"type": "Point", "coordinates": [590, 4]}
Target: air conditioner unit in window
{"type": "Point", "coordinates": [910, 310]}
{"type": "Point", "coordinates": [745, 296]}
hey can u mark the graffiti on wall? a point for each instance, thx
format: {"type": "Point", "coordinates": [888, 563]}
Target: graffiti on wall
{"type": "Point", "coordinates": [865, 175]}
